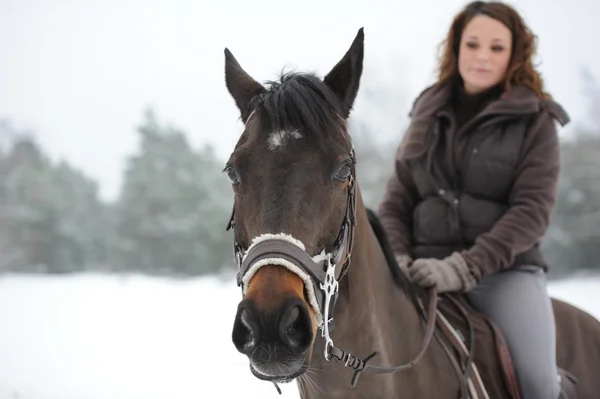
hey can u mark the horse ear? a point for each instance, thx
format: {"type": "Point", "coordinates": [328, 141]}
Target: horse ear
{"type": "Point", "coordinates": [242, 87]}
{"type": "Point", "coordinates": [344, 78]}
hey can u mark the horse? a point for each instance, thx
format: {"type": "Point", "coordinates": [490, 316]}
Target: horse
{"type": "Point", "coordinates": [324, 302]}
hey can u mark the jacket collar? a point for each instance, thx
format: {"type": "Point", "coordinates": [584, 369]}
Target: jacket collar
{"type": "Point", "coordinates": [520, 100]}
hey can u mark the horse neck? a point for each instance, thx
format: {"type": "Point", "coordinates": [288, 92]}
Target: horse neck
{"type": "Point", "coordinates": [372, 312]}
{"type": "Point", "coordinates": [376, 306]}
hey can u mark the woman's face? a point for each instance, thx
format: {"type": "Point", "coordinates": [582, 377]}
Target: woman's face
{"type": "Point", "coordinates": [484, 53]}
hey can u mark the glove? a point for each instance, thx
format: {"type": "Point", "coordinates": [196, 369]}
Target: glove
{"type": "Point", "coordinates": [449, 274]}
{"type": "Point", "coordinates": [403, 262]}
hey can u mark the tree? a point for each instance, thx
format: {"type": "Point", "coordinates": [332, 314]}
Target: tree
{"type": "Point", "coordinates": [27, 218]}
{"type": "Point", "coordinates": [50, 216]}
{"type": "Point", "coordinates": [377, 126]}
{"type": "Point", "coordinates": [573, 239]}
{"type": "Point", "coordinates": [83, 221]}
{"type": "Point", "coordinates": [171, 213]}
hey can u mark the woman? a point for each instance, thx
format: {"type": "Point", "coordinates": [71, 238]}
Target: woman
{"type": "Point", "coordinates": [475, 183]}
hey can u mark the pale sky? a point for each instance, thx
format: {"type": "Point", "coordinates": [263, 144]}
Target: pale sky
{"type": "Point", "coordinates": [79, 73]}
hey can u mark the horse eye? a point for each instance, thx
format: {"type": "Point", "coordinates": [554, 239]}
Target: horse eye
{"type": "Point", "coordinates": [233, 177]}
{"type": "Point", "coordinates": [343, 173]}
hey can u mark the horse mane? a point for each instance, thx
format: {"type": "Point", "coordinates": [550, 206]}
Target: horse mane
{"type": "Point", "coordinates": [302, 101]}
{"type": "Point", "coordinates": [399, 277]}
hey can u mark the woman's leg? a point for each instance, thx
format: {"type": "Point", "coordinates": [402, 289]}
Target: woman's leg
{"type": "Point", "coordinates": [517, 300]}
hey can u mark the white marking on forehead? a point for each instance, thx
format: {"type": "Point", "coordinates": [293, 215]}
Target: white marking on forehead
{"type": "Point", "coordinates": [278, 138]}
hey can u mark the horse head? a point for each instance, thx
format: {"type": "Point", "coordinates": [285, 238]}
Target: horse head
{"type": "Point", "coordinates": [293, 177]}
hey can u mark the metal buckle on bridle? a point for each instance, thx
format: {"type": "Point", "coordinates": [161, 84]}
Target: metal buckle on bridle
{"type": "Point", "coordinates": [238, 256]}
{"type": "Point", "coordinates": [330, 288]}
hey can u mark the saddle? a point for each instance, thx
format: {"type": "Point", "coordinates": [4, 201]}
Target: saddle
{"type": "Point", "coordinates": [479, 353]}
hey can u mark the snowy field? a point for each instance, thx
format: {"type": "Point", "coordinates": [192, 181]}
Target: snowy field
{"type": "Point", "coordinates": [104, 337]}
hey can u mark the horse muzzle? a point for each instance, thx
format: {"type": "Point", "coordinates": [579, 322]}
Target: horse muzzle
{"type": "Point", "coordinates": [277, 342]}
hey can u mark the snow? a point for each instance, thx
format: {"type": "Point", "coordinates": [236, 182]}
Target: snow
{"type": "Point", "coordinates": [94, 336]}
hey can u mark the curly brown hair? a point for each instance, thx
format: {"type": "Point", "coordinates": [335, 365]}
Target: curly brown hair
{"type": "Point", "coordinates": [520, 71]}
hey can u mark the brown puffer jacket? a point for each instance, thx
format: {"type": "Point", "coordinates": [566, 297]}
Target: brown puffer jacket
{"type": "Point", "coordinates": [486, 190]}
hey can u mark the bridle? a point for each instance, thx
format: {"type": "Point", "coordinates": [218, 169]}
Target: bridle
{"type": "Point", "coordinates": [319, 275]}
{"type": "Point", "coordinates": [319, 271]}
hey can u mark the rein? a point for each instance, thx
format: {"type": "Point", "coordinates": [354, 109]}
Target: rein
{"type": "Point", "coordinates": [362, 365]}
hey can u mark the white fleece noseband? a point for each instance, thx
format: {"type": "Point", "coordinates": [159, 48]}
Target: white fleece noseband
{"type": "Point", "coordinates": [308, 283]}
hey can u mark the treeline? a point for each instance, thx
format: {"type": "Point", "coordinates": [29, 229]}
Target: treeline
{"type": "Point", "coordinates": [174, 203]}
{"type": "Point", "coordinates": [169, 218]}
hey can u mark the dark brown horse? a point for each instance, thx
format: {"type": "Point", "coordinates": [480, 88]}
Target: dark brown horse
{"type": "Point", "coordinates": [321, 289]}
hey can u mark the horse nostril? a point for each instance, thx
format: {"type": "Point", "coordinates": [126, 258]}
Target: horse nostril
{"type": "Point", "coordinates": [295, 327]}
{"type": "Point", "coordinates": [245, 331]}
{"type": "Point", "coordinates": [289, 323]}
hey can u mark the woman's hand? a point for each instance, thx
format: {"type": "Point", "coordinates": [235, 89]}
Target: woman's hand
{"type": "Point", "coordinates": [450, 274]}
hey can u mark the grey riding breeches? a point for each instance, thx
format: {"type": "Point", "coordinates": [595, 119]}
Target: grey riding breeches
{"type": "Point", "coordinates": [517, 300]}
